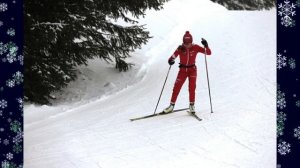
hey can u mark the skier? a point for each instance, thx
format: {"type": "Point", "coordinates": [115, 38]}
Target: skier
{"type": "Point", "coordinates": [187, 68]}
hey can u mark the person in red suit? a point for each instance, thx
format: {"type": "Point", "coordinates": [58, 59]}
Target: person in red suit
{"type": "Point", "coordinates": [187, 53]}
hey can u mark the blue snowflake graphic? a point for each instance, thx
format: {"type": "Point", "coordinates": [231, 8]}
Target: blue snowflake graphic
{"type": "Point", "coordinates": [11, 57]}
{"type": "Point", "coordinates": [281, 118]}
{"type": "Point", "coordinates": [284, 148]}
{"type": "Point", "coordinates": [5, 164]}
{"type": "Point", "coordinates": [21, 59]}
{"type": "Point", "coordinates": [11, 32]}
{"type": "Point", "coordinates": [10, 83]}
{"type": "Point", "coordinates": [287, 11]}
{"type": "Point", "coordinates": [18, 77]}
{"type": "Point", "coordinates": [298, 3]}
{"type": "Point", "coordinates": [13, 49]}
{"type": "Point", "coordinates": [281, 61]}
{"type": "Point", "coordinates": [292, 63]}
{"type": "Point", "coordinates": [6, 142]}
{"type": "Point", "coordinates": [281, 103]}
{"type": "Point", "coordinates": [21, 103]}
{"type": "Point", "coordinates": [9, 156]}
{"type": "Point", "coordinates": [3, 7]}
{"type": "Point", "coordinates": [297, 132]}
{"type": "Point", "coordinates": [3, 104]}
{"type": "Point", "coordinates": [3, 48]}
{"type": "Point", "coordinates": [298, 103]}
{"type": "Point", "coordinates": [18, 138]}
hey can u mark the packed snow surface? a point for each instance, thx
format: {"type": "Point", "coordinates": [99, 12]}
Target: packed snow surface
{"type": "Point", "coordinates": [88, 125]}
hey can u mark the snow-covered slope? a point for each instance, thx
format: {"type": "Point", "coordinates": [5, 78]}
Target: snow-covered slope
{"type": "Point", "coordinates": [93, 129]}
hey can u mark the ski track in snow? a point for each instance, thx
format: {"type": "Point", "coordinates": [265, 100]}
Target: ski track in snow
{"type": "Point", "coordinates": [95, 131]}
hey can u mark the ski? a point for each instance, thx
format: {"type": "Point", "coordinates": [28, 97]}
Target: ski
{"type": "Point", "coordinates": [195, 116]}
{"type": "Point", "coordinates": [157, 114]}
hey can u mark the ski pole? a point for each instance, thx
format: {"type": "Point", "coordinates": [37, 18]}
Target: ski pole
{"type": "Point", "coordinates": [162, 89]}
{"type": "Point", "coordinates": [208, 82]}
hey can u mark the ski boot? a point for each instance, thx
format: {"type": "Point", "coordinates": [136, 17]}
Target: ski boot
{"type": "Point", "coordinates": [169, 109]}
{"type": "Point", "coordinates": [192, 108]}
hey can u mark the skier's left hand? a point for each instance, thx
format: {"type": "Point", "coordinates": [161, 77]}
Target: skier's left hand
{"type": "Point", "coordinates": [171, 61]}
{"type": "Point", "coordinates": [204, 42]}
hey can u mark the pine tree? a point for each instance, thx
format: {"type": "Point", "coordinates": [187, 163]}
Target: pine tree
{"type": "Point", "coordinates": [247, 4]}
{"type": "Point", "coordinates": [60, 35]}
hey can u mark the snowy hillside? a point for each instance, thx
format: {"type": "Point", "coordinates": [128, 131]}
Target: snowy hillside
{"type": "Point", "coordinates": [89, 127]}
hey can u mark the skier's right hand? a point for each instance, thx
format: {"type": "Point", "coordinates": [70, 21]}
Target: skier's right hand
{"type": "Point", "coordinates": [171, 61]}
{"type": "Point", "coordinates": [204, 42]}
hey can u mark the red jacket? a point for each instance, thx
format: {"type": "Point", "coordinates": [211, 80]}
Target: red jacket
{"type": "Point", "coordinates": [188, 55]}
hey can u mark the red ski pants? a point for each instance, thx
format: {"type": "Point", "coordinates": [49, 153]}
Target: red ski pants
{"type": "Point", "coordinates": [184, 73]}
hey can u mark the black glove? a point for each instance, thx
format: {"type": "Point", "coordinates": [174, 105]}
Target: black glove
{"type": "Point", "coordinates": [171, 61]}
{"type": "Point", "coordinates": [204, 42]}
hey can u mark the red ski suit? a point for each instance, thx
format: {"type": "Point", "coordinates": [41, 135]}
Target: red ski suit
{"type": "Point", "coordinates": [187, 69]}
